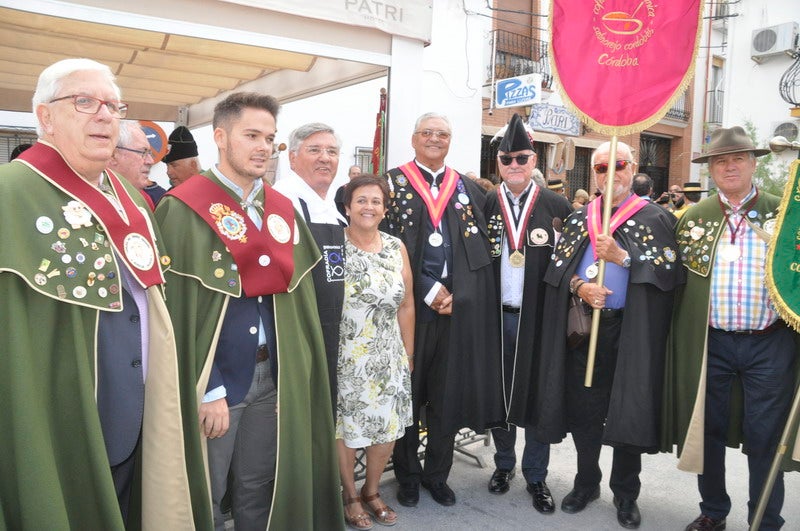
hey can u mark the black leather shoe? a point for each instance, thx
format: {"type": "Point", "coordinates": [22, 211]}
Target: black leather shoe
{"type": "Point", "coordinates": [501, 481]}
{"type": "Point", "coordinates": [578, 499]}
{"type": "Point", "coordinates": [542, 500]}
{"type": "Point", "coordinates": [408, 494]}
{"type": "Point", "coordinates": [628, 514]}
{"type": "Point", "coordinates": [441, 493]}
{"type": "Point", "coordinates": [706, 523]}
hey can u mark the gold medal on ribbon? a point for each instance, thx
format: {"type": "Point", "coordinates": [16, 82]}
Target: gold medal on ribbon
{"type": "Point", "coordinates": [517, 259]}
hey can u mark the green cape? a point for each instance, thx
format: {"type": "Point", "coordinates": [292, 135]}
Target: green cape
{"type": "Point", "coordinates": [54, 472]}
{"type": "Point", "coordinates": [684, 387]}
{"type": "Point", "coordinates": [306, 492]}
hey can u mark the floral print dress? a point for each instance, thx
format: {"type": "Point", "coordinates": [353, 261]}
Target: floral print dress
{"type": "Point", "coordinates": [374, 395]}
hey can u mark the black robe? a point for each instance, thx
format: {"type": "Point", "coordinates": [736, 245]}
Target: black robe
{"type": "Point", "coordinates": [634, 408]}
{"type": "Point", "coordinates": [472, 383]}
{"type": "Point", "coordinates": [519, 384]}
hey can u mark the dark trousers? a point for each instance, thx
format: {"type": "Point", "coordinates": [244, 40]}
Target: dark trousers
{"type": "Point", "coordinates": [765, 366]}
{"type": "Point", "coordinates": [248, 453]}
{"type": "Point", "coordinates": [123, 475]}
{"type": "Point", "coordinates": [587, 408]}
{"type": "Point", "coordinates": [536, 455]}
{"type": "Point", "coordinates": [427, 382]}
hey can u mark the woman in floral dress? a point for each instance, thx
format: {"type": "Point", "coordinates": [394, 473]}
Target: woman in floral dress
{"type": "Point", "coordinates": [375, 349]}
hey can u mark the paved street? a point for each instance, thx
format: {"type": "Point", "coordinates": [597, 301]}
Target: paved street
{"type": "Point", "coordinates": [668, 501]}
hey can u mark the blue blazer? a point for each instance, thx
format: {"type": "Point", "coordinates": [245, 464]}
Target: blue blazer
{"type": "Point", "coordinates": [235, 358]}
{"type": "Point", "coordinates": [120, 383]}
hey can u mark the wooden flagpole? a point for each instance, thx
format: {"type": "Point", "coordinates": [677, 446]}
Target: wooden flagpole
{"type": "Point", "coordinates": [608, 196]}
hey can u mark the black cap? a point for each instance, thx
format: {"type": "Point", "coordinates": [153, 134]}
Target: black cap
{"type": "Point", "coordinates": [516, 137]}
{"type": "Point", "coordinates": [17, 151]}
{"type": "Point", "coordinates": [555, 184]}
{"type": "Point", "coordinates": [181, 145]}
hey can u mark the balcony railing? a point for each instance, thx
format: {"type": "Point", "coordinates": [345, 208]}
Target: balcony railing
{"type": "Point", "coordinates": [714, 100]}
{"type": "Point", "coordinates": [680, 109]}
{"type": "Point", "coordinates": [517, 55]}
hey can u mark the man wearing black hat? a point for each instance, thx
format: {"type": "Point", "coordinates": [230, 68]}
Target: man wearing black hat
{"type": "Point", "coordinates": [557, 185]}
{"type": "Point", "coordinates": [726, 337]}
{"type": "Point", "coordinates": [621, 407]}
{"type": "Point", "coordinates": [438, 214]}
{"type": "Point", "coordinates": [523, 232]}
{"type": "Point", "coordinates": [691, 195]}
{"type": "Point", "coordinates": [181, 159]}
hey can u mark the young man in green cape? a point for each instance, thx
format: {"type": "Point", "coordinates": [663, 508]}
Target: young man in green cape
{"type": "Point", "coordinates": [250, 346]}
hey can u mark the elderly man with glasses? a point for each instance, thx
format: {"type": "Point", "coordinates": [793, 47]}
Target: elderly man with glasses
{"type": "Point", "coordinates": [732, 359]}
{"type": "Point", "coordinates": [133, 158]}
{"type": "Point", "coordinates": [438, 214]}
{"type": "Point", "coordinates": [89, 396]}
{"type": "Point", "coordinates": [523, 232]}
{"type": "Point", "coordinates": [314, 159]}
{"type": "Point", "coordinates": [621, 408]}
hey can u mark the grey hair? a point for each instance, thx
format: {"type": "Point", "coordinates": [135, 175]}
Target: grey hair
{"type": "Point", "coordinates": [712, 157]}
{"type": "Point", "coordinates": [538, 178]}
{"type": "Point", "coordinates": [299, 135]}
{"type": "Point", "coordinates": [605, 147]}
{"type": "Point", "coordinates": [431, 115]}
{"type": "Point", "coordinates": [126, 128]}
{"type": "Point", "coordinates": [50, 80]}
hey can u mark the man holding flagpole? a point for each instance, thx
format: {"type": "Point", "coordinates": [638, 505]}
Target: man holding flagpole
{"type": "Point", "coordinates": [438, 214]}
{"type": "Point", "coordinates": [621, 407]}
{"type": "Point", "coordinates": [731, 364]}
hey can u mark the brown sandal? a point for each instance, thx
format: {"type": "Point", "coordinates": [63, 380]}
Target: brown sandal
{"type": "Point", "coordinates": [382, 513]}
{"type": "Point", "coordinates": [361, 521]}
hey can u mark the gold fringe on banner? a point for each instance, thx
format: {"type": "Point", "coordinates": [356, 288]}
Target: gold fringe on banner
{"type": "Point", "coordinates": [783, 283]}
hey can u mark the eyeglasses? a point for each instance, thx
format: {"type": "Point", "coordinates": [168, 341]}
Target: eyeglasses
{"type": "Point", "coordinates": [427, 133]}
{"type": "Point", "coordinates": [144, 153]}
{"type": "Point", "coordinates": [90, 105]}
{"type": "Point", "coordinates": [619, 166]}
{"type": "Point", "coordinates": [522, 160]}
{"type": "Point", "coordinates": [317, 151]}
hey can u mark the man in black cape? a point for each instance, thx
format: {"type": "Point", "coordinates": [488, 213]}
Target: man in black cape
{"type": "Point", "coordinates": [438, 214]}
{"type": "Point", "coordinates": [621, 408]}
{"type": "Point", "coordinates": [523, 233]}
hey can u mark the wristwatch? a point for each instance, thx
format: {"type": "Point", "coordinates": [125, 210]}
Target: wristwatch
{"type": "Point", "coordinates": [575, 284]}
{"type": "Point", "coordinates": [626, 262]}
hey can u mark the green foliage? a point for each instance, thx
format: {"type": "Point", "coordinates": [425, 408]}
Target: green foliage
{"type": "Point", "coordinates": [771, 174]}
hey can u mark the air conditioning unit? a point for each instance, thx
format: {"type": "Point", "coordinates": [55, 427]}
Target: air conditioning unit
{"type": "Point", "coordinates": [789, 129]}
{"type": "Point", "coordinates": [773, 40]}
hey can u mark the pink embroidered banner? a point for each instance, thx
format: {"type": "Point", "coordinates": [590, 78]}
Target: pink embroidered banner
{"type": "Point", "coordinates": [621, 64]}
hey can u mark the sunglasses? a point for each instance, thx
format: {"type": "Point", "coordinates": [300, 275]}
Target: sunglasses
{"type": "Point", "coordinates": [603, 166]}
{"type": "Point", "coordinates": [505, 160]}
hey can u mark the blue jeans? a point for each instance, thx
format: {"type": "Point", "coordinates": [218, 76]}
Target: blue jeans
{"type": "Point", "coordinates": [536, 455]}
{"type": "Point", "coordinates": [765, 366]}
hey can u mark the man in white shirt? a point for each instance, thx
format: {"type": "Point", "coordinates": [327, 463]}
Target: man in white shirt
{"type": "Point", "coordinates": [314, 158]}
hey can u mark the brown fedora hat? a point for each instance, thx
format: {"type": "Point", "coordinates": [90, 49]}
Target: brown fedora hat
{"type": "Point", "coordinates": [731, 140]}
